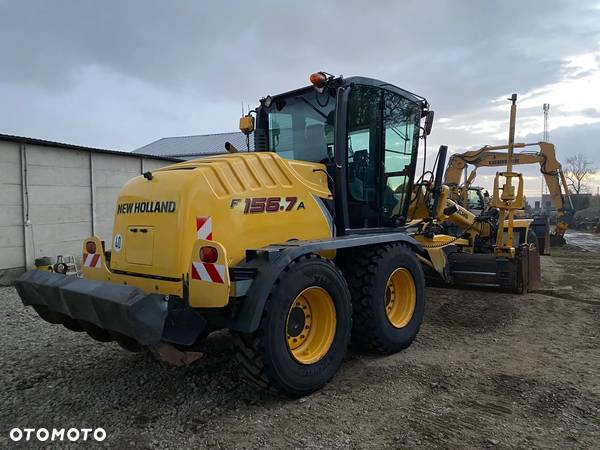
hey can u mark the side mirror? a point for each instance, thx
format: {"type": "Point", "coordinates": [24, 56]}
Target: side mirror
{"type": "Point", "coordinates": [429, 122]}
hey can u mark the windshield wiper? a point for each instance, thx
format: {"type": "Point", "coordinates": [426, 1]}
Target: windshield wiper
{"type": "Point", "coordinates": [403, 136]}
{"type": "Point", "coordinates": [312, 106]}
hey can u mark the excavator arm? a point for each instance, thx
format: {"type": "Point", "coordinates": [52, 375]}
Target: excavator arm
{"type": "Point", "coordinates": [490, 156]}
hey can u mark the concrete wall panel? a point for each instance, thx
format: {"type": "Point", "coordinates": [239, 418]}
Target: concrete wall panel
{"type": "Point", "coordinates": [44, 175]}
{"type": "Point", "coordinates": [11, 236]}
{"type": "Point", "coordinates": [11, 257]}
{"type": "Point", "coordinates": [10, 172]}
{"type": "Point", "coordinates": [11, 209]}
{"type": "Point", "coordinates": [57, 157]}
{"type": "Point", "coordinates": [66, 247]}
{"type": "Point", "coordinates": [60, 232]}
{"type": "Point", "coordinates": [153, 164]}
{"type": "Point", "coordinates": [58, 195]}
{"type": "Point", "coordinates": [58, 203]}
{"type": "Point", "coordinates": [11, 215]}
{"type": "Point", "coordinates": [10, 194]}
{"type": "Point", "coordinates": [9, 152]}
{"type": "Point", "coordinates": [43, 214]}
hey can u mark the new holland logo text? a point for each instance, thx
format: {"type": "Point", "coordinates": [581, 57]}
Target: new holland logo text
{"type": "Point", "coordinates": [146, 207]}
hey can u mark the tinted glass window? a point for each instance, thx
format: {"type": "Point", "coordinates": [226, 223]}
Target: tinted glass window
{"type": "Point", "coordinates": [364, 154]}
{"type": "Point", "coordinates": [474, 200]}
{"type": "Point", "coordinates": [302, 127]}
{"type": "Point", "coordinates": [400, 121]}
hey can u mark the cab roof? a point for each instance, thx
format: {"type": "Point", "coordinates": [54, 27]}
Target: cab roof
{"type": "Point", "coordinates": [340, 81]}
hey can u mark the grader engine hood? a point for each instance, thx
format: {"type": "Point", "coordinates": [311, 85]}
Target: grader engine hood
{"type": "Point", "coordinates": [148, 212]}
{"type": "Point", "coordinates": [240, 201]}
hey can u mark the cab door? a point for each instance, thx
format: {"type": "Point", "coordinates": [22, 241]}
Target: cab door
{"type": "Point", "coordinates": [382, 133]}
{"type": "Point", "coordinates": [401, 119]}
{"type": "Point", "coordinates": [364, 156]}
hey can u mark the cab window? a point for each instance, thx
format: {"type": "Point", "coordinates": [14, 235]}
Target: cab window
{"type": "Point", "coordinates": [401, 132]}
{"type": "Point", "coordinates": [382, 143]}
{"type": "Point", "coordinates": [364, 144]}
{"type": "Point", "coordinates": [301, 128]}
{"type": "Point", "coordinates": [474, 200]}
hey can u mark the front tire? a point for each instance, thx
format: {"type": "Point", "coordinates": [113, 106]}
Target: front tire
{"type": "Point", "coordinates": [304, 331]}
{"type": "Point", "coordinates": [388, 297]}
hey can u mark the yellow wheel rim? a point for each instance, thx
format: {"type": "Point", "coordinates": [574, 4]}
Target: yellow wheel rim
{"type": "Point", "coordinates": [310, 325]}
{"type": "Point", "coordinates": [400, 297]}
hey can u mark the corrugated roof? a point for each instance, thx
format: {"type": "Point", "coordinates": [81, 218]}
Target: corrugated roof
{"type": "Point", "coordinates": [189, 147]}
{"type": "Point", "coordinates": [45, 143]}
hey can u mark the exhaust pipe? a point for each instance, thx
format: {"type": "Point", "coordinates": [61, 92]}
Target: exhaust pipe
{"type": "Point", "coordinates": [439, 174]}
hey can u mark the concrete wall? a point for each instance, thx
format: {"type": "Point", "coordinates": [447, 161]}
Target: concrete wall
{"type": "Point", "coordinates": [52, 198]}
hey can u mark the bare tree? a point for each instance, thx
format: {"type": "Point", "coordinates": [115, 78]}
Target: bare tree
{"type": "Point", "coordinates": [577, 169]}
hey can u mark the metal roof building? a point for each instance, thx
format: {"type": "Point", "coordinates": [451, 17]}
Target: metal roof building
{"type": "Point", "coordinates": [54, 195]}
{"type": "Point", "coordinates": [192, 147]}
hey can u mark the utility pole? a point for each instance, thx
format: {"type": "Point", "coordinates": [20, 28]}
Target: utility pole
{"type": "Point", "coordinates": [545, 138]}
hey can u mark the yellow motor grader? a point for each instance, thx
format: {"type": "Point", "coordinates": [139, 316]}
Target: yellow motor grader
{"type": "Point", "coordinates": [296, 248]}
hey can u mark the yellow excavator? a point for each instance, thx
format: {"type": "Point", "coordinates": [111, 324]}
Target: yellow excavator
{"type": "Point", "coordinates": [484, 249]}
{"type": "Point", "coordinates": [492, 156]}
{"type": "Point", "coordinates": [317, 237]}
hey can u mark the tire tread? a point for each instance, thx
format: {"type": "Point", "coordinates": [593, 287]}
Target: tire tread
{"type": "Point", "coordinates": [361, 275]}
{"type": "Point", "coordinates": [249, 346]}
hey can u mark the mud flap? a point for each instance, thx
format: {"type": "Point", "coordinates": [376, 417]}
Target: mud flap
{"type": "Point", "coordinates": [209, 283]}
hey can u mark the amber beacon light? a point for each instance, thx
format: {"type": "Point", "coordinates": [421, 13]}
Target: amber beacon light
{"type": "Point", "coordinates": [318, 79]}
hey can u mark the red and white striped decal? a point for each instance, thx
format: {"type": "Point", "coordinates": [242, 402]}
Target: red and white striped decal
{"type": "Point", "coordinates": [204, 228]}
{"type": "Point", "coordinates": [214, 273]}
{"type": "Point", "coordinates": [92, 260]}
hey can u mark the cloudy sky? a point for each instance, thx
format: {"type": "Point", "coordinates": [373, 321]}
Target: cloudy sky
{"type": "Point", "coordinates": [120, 74]}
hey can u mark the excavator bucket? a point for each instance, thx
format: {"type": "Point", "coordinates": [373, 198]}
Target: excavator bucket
{"type": "Point", "coordinates": [520, 273]}
{"type": "Point", "coordinates": [529, 268]}
{"type": "Point", "coordinates": [541, 228]}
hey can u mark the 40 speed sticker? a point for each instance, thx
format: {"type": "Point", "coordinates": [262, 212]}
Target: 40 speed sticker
{"type": "Point", "coordinates": [118, 242]}
{"type": "Point", "coordinates": [256, 205]}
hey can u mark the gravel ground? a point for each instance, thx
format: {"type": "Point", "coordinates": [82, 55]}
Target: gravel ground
{"type": "Point", "coordinates": [487, 370]}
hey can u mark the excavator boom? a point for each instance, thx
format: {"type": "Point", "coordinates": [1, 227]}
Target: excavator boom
{"type": "Point", "coordinates": [492, 156]}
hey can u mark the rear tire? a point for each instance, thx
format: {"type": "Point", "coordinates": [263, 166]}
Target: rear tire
{"type": "Point", "coordinates": [310, 294]}
{"type": "Point", "coordinates": [379, 323]}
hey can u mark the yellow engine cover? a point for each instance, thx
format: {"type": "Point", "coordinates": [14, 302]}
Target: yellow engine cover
{"type": "Point", "coordinates": [242, 200]}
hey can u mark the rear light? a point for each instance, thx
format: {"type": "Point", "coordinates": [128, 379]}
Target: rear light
{"type": "Point", "coordinates": [209, 254]}
{"type": "Point", "coordinates": [90, 247]}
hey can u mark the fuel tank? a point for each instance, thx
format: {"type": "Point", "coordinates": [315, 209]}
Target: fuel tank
{"type": "Point", "coordinates": [243, 200]}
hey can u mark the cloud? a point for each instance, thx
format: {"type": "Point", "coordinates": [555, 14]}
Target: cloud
{"type": "Point", "coordinates": [568, 141]}
{"type": "Point", "coordinates": [120, 74]}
